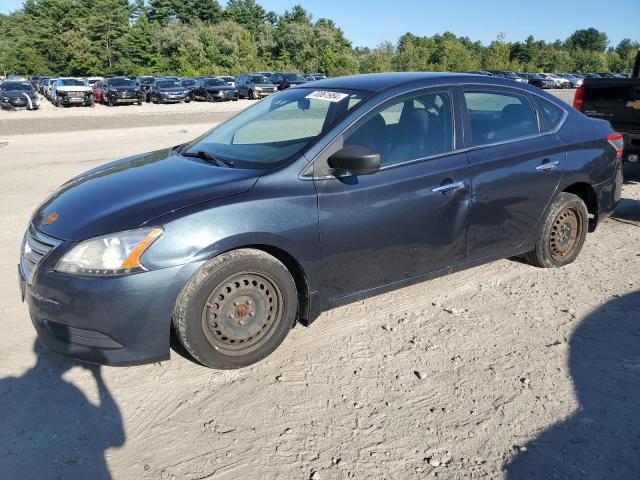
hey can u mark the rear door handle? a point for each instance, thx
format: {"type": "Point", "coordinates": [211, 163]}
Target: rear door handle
{"type": "Point", "coordinates": [546, 165]}
{"type": "Point", "coordinates": [449, 187]}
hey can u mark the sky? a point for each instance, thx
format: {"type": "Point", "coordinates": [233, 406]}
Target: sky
{"type": "Point", "coordinates": [368, 23]}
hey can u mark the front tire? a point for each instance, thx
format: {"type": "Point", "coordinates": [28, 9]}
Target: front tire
{"type": "Point", "coordinates": [236, 309]}
{"type": "Point", "coordinates": [563, 233]}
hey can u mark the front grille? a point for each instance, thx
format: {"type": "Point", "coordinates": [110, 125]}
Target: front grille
{"type": "Point", "coordinates": [35, 246]}
{"type": "Point", "coordinates": [18, 101]}
{"type": "Point", "coordinates": [76, 94]}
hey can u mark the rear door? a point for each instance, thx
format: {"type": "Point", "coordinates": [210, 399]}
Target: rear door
{"type": "Point", "coordinates": [406, 219]}
{"type": "Point", "coordinates": [515, 168]}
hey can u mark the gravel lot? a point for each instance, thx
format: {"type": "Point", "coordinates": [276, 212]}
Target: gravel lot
{"type": "Point", "coordinates": [501, 371]}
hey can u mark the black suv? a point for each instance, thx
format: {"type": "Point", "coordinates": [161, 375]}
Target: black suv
{"type": "Point", "coordinates": [121, 90]}
{"type": "Point", "coordinates": [286, 80]}
{"type": "Point", "coordinates": [253, 85]}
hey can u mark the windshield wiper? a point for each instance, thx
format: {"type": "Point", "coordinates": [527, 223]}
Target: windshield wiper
{"type": "Point", "coordinates": [221, 162]}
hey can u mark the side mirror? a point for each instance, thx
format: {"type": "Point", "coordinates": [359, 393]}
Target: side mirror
{"type": "Point", "coordinates": [355, 159]}
{"type": "Point", "coordinates": [304, 104]}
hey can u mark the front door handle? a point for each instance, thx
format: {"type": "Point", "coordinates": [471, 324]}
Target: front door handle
{"type": "Point", "coordinates": [546, 165]}
{"type": "Point", "coordinates": [449, 187]}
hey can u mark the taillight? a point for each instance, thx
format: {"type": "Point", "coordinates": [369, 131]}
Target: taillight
{"type": "Point", "coordinates": [577, 100]}
{"type": "Point", "coordinates": [617, 141]}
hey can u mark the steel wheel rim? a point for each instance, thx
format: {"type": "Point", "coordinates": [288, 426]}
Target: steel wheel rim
{"type": "Point", "coordinates": [566, 232]}
{"type": "Point", "coordinates": [242, 313]}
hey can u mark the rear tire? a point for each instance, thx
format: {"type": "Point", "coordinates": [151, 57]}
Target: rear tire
{"type": "Point", "coordinates": [563, 233]}
{"type": "Point", "coordinates": [236, 309]}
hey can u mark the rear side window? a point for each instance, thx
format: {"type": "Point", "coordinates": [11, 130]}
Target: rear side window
{"type": "Point", "coordinates": [411, 129]}
{"type": "Point", "coordinates": [551, 113]}
{"type": "Point", "coordinates": [500, 116]}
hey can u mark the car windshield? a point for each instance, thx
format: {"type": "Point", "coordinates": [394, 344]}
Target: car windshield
{"type": "Point", "coordinates": [510, 74]}
{"type": "Point", "coordinates": [169, 84]}
{"type": "Point", "coordinates": [71, 82]}
{"type": "Point", "coordinates": [258, 79]}
{"type": "Point", "coordinates": [277, 128]}
{"type": "Point", "coordinates": [214, 81]}
{"type": "Point", "coordinates": [188, 83]}
{"type": "Point", "coordinates": [147, 80]}
{"type": "Point", "coordinates": [294, 77]}
{"type": "Point", "coordinates": [24, 87]}
{"type": "Point", "coordinates": [121, 82]}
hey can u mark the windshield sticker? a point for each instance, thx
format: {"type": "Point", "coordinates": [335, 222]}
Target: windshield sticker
{"type": "Point", "coordinates": [327, 95]}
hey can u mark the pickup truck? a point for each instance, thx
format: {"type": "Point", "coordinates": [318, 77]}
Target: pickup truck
{"type": "Point", "coordinates": [618, 101]}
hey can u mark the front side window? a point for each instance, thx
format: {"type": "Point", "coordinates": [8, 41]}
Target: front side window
{"type": "Point", "coordinates": [277, 128]}
{"type": "Point", "coordinates": [410, 129]}
{"type": "Point", "coordinates": [499, 116]}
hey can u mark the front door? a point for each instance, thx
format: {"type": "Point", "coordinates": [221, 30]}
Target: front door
{"type": "Point", "coordinates": [407, 219]}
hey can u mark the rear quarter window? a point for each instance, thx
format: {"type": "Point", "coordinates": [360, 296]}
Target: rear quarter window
{"type": "Point", "coordinates": [552, 114]}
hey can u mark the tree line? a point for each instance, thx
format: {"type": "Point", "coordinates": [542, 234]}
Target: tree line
{"type": "Point", "coordinates": [200, 37]}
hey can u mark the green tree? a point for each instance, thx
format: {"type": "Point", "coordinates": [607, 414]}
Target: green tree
{"type": "Point", "coordinates": [589, 39]}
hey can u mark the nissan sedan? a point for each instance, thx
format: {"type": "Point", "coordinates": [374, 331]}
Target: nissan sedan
{"type": "Point", "coordinates": [315, 197]}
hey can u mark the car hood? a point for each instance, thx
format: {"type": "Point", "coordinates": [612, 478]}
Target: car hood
{"type": "Point", "coordinates": [123, 89]}
{"type": "Point", "coordinates": [264, 85]}
{"type": "Point", "coordinates": [73, 88]}
{"type": "Point", "coordinates": [130, 192]}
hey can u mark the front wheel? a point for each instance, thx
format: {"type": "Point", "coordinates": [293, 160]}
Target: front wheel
{"type": "Point", "coordinates": [236, 309]}
{"type": "Point", "coordinates": [563, 233]}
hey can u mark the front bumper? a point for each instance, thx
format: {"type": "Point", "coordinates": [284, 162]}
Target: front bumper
{"type": "Point", "coordinates": [111, 321]}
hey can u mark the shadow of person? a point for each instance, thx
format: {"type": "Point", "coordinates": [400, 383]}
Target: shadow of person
{"type": "Point", "coordinates": [602, 439]}
{"type": "Point", "coordinates": [49, 429]}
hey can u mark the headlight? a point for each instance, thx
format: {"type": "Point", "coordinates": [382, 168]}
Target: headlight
{"type": "Point", "coordinates": [113, 254]}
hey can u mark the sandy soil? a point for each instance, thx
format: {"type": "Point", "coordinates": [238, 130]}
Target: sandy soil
{"type": "Point", "coordinates": [501, 371]}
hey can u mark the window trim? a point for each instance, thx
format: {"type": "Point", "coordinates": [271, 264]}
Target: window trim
{"type": "Point", "coordinates": [500, 88]}
{"type": "Point", "coordinates": [308, 172]}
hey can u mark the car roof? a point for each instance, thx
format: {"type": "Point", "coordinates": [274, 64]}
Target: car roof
{"type": "Point", "coordinates": [377, 82]}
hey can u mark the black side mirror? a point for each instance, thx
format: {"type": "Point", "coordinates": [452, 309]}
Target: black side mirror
{"type": "Point", "coordinates": [355, 159]}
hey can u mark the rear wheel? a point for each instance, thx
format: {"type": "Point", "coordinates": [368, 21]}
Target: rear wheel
{"type": "Point", "coordinates": [563, 233]}
{"type": "Point", "coordinates": [252, 95]}
{"type": "Point", "coordinates": [236, 309]}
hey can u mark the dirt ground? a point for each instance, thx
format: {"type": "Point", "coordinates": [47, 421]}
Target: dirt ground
{"type": "Point", "coordinates": [501, 371]}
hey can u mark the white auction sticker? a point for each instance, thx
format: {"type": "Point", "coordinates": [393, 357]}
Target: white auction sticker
{"type": "Point", "coordinates": [327, 95]}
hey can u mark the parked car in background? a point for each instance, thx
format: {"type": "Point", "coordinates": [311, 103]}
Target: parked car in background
{"type": "Point", "coordinates": [575, 80]}
{"type": "Point", "coordinates": [231, 81]}
{"type": "Point", "coordinates": [358, 186]}
{"type": "Point", "coordinates": [18, 94]}
{"type": "Point", "coordinates": [35, 80]}
{"type": "Point", "coordinates": [168, 91]}
{"type": "Point", "coordinates": [41, 84]}
{"type": "Point", "coordinates": [590, 75]}
{"type": "Point", "coordinates": [214, 89]}
{"type": "Point", "coordinates": [117, 90]}
{"type": "Point", "coordinates": [508, 74]}
{"type": "Point", "coordinates": [286, 80]}
{"type": "Point", "coordinates": [92, 80]}
{"type": "Point", "coordinates": [190, 84]}
{"type": "Point", "coordinates": [97, 88]}
{"type": "Point", "coordinates": [72, 91]}
{"type": "Point", "coordinates": [318, 76]}
{"type": "Point", "coordinates": [616, 100]}
{"type": "Point", "coordinates": [145, 82]}
{"type": "Point", "coordinates": [254, 86]}
{"type": "Point", "coordinates": [538, 81]}
{"type": "Point", "coordinates": [480, 72]}
{"type": "Point", "coordinates": [48, 85]}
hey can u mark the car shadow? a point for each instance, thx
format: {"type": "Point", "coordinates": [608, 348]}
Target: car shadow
{"type": "Point", "coordinates": [50, 429]}
{"type": "Point", "coordinates": [602, 438]}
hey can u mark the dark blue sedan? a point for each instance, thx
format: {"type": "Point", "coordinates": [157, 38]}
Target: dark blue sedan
{"type": "Point", "coordinates": [315, 197]}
